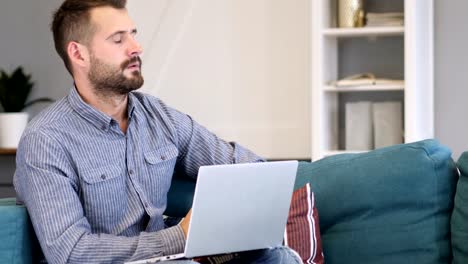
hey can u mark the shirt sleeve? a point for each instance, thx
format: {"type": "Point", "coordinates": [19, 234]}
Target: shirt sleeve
{"type": "Point", "coordinates": [46, 182]}
{"type": "Point", "coordinates": [199, 146]}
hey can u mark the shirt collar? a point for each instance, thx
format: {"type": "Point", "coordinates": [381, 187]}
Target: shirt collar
{"type": "Point", "coordinates": [94, 116]}
{"type": "Point", "coordinates": [131, 105]}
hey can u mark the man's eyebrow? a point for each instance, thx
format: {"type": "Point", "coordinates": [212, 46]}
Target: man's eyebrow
{"type": "Point", "coordinates": [133, 32]}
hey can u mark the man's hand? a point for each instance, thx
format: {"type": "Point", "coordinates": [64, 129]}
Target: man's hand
{"type": "Point", "coordinates": [185, 223]}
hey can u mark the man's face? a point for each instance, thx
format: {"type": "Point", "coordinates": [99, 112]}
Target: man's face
{"type": "Point", "coordinates": [115, 65]}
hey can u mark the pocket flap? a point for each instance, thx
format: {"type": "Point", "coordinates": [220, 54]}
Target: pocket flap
{"type": "Point", "coordinates": [96, 175]}
{"type": "Point", "coordinates": [162, 154]}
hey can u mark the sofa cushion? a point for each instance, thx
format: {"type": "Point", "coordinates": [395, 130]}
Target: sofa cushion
{"type": "Point", "coordinates": [391, 205]}
{"type": "Point", "coordinates": [302, 228]}
{"type": "Point", "coordinates": [18, 243]}
{"type": "Point", "coordinates": [180, 196]}
{"type": "Point", "coordinates": [459, 224]}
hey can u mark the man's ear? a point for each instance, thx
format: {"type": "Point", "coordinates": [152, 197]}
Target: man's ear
{"type": "Point", "coordinates": [77, 53]}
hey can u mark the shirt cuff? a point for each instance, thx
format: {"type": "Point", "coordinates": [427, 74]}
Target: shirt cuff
{"type": "Point", "coordinates": [173, 240]}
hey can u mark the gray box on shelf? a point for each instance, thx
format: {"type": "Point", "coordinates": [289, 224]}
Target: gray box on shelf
{"type": "Point", "coordinates": [388, 123]}
{"type": "Point", "coordinates": [358, 123]}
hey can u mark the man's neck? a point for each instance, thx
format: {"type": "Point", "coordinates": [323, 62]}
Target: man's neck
{"type": "Point", "coordinates": [114, 105]}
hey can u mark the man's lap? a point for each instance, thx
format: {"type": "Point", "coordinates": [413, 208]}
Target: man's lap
{"type": "Point", "coordinates": [280, 255]}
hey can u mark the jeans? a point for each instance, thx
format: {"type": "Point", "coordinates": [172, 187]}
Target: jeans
{"type": "Point", "coordinates": [278, 255]}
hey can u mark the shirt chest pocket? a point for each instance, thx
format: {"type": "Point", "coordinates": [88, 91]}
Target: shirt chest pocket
{"type": "Point", "coordinates": [160, 165]}
{"type": "Point", "coordinates": [103, 189]}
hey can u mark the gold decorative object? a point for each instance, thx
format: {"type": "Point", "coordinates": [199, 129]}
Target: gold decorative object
{"type": "Point", "coordinates": [350, 13]}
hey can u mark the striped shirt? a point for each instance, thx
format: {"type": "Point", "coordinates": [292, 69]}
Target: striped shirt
{"type": "Point", "coordinates": [96, 194]}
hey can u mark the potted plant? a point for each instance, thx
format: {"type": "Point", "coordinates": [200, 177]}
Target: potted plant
{"type": "Point", "coordinates": [14, 91]}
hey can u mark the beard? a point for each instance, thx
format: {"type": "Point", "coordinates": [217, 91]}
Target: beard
{"type": "Point", "coordinates": [108, 78]}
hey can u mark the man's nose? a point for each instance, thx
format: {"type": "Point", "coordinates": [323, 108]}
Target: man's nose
{"type": "Point", "coordinates": [135, 48]}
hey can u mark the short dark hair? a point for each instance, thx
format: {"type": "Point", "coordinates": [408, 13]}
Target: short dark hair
{"type": "Point", "coordinates": [72, 22]}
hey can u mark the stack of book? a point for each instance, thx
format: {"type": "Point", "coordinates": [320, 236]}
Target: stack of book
{"type": "Point", "coordinates": [385, 19]}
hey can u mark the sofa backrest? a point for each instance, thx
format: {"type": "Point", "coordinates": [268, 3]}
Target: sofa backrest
{"type": "Point", "coordinates": [391, 205]}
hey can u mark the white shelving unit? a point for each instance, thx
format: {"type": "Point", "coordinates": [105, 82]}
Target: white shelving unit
{"type": "Point", "coordinates": [333, 48]}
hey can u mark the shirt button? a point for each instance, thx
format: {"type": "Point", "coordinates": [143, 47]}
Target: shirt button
{"type": "Point", "coordinates": [163, 157]}
{"type": "Point", "coordinates": [103, 177]}
{"type": "Point", "coordinates": [146, 205]}
{"type": "Point", "coordinates": [131, 172]}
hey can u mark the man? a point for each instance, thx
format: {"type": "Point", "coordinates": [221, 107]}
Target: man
{"type": "Point", "coordinates": [94, 169]}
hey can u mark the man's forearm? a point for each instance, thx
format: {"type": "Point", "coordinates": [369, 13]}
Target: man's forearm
{"type": "Point", "coordinates": [105, 248]}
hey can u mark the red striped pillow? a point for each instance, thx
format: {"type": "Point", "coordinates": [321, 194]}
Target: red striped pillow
{"type": "Point", "coordinates": [302, 229]}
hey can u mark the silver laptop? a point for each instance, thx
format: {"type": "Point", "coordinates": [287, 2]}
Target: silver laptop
{"type": "Point", "coordinates": [238, 207]}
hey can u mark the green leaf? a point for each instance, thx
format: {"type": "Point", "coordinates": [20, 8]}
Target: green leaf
{"type": "Point", "coordinates": [15, 89]}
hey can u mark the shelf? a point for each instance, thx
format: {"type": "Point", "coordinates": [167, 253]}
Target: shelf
{"type": "Point", "coordinates": [337, 152]}
{"type": "Point", "coordinates": [7, 151]}
{"type": "Point", "coordinates": [367, 88]}
{"type": "Point", "coordinates": [364, 31]}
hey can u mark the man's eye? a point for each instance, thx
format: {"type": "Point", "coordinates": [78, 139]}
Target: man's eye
{"type": "Point", "coordinates": [117, 39]}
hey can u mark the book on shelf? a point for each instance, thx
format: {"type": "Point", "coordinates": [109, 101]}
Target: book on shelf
{"type": "Point", "coordinates": [388, 123]}
{"type": "Point", "coordinates": [358, 126]}
{"type": "Point", "coordinates": [365, 79]}
{"type": "Point", "coordinates": [384, 19]}
{"type": "Point", "coordinates": [374, 15]}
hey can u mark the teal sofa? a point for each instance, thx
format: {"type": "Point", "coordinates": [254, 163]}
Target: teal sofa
{"type": "Point", "coordinates": [400, 204]}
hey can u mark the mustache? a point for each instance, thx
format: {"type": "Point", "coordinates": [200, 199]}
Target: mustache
{"type": "Point", "coordinates": [125, 64]}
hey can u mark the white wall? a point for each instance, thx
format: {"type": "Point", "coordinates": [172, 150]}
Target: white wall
{"type": "Point", "coordinates": [240, 67]}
